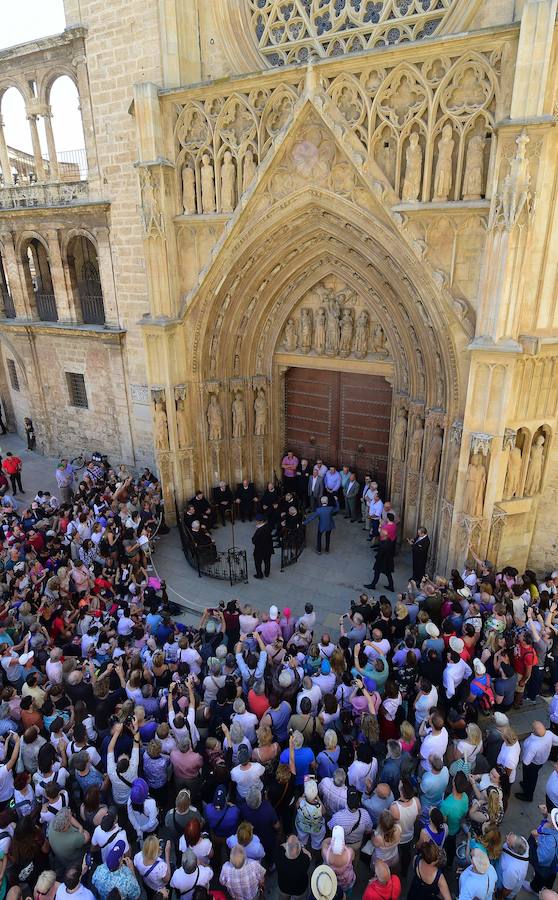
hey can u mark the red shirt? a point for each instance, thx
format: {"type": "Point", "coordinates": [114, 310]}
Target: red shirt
{"type": "Point", "coordinates": [524, 656]}
{"type": "Point", "coordinates": [378, 891]}
{"type": "Point", "coordinates": [11, 464]}
{"type": "Point", "coordinates": [258, 703]}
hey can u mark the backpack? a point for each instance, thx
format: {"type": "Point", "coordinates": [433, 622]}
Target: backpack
{"type": "Point", "coordinates": [486, 699]}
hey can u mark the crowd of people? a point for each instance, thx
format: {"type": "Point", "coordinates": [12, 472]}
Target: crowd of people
{"type": "Point", "coordinates": [256, 751]}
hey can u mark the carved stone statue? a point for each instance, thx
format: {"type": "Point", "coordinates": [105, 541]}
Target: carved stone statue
{"type": "Point", "coordinates": [513, 473]}
{"type": "Point", "coordinates": [189, 204]}
{"type": "Point", "coordinates": [346, 336]}
{"type": "Point", "coordinates": [260, 414]}
{"type": "Point", "coordinates": [320, 330]}
{"type": "Point", "coordinates": [215, 419]}
{"type": "Point", "coordinates": [474, 169]}
{"type": "Point", "coordinates": [400, 436]}
{"type": "Point", "coordinates": [238, 416]}
{"type": "Point", "coordinates": [444, 172]}
{"type": "Point", "coordinates": [415, 452]}
{"type": "Point", "coordinates": [413, 170]}
{"type": "Point", "coordinates": [290, 339]}
{"type": "Point", "coordinates": [379, 340]}
{"type": "Point", "coordinates": [181, 424]}
{"type": "Point", "coordinates": [306, 330]}
{"type": "Point", "coordinates": [516, 193]}
{"type": "Point", "coordinates": [432, 463]}
{"type": "Point", "coordinates": [453, 472]}
{"type": "Point", "coordinates": [228, 182]}
{"type": "Point", "coordinates": [473, 498]}
{"type": "Point", "coordinates": [248, 170]}
{"type": "Point", "coordinates": [332, 329]}
{"type": "Point", "coordinates": [534, 472]}
{"type": "Point", "coordinates": [207, 185]}
{"type": "Point", "coordinates": [361, 334]}
{"type": "Point", "coordinates": [161, 427]}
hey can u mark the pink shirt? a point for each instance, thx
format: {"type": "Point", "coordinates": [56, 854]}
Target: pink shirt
{"type": "Point", "coordinates": [186, 765]}
{"type": "Point", "coordinates": [289, 466]}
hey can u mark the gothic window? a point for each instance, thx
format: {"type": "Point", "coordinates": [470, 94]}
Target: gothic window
{"type": "Point", "coordinates": [12, 373]}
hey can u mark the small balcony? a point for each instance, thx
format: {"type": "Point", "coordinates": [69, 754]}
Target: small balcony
{"type": "Point", "coordinates": [46, 307]}
{"type": "Point", "coordinates": [92, 305]}
{"type": "Point", "coordinates": [27, 196]}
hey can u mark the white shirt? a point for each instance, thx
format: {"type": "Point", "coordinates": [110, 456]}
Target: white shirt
{"type": "Point", "coordinates": [537, 749]}
{"type": "Point", "coordinates": [553, 709]}
{"type": "Point", "coordinates": [514, 871]}
{"type": "Point", "coordinates": [424, 704]}
{"type": "Point", "coordinates": [551, 788]}
{"type": "Point", "coordinates": [184, 884]}
{"type": "Point", "coordinates": [384, 646]}
{"type": "Point", "coordinates": [6, 783]}
{"type": "Point", "coordinates": [454, 674]}
{"type": "Point", "coordinates": [158, 871]}
{"type": "Point", "coordinates": [245, 778]}
{"type": "Point", "coordinates": [146, 820]}
{"type": "Point", "coordinates": [509, 758]}
{"type": "Point", "coordinates": [106, 840]}
{"type": "Point", "coordinates": [314, 694]}
{"type": "Point", "coordinates": [125, 626]}
{"type": "Point", "coordinates": [326, 683]}
{"type": "Point", "coordinates": [249, 724]}
{"type": "Point", "coordinates": [375, 509]}
{"type": "Point", "coordinates": [360, 771]}
{"type": "Point", "coordinates": [80, 893]}
{"type": "Point", "coordinates": [54, 672]}
{"type": "Point", "coordinates": [433, 745]}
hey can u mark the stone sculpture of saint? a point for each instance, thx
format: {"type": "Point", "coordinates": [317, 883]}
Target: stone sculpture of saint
{"type": "Point", "coordinates": [413, 170]}
{"type": "Point", "coordinates": [473, 499]}
{"type": "Point", "coordinates": [238, 416]}
{"type": "Point", "coordinates": [346, 336]}
{"type": "Point", "coordinates": [161, 427]}
{"type": "Point", "coordinates": [228, 181]}
{"type": "Point", "coordinates": [306, 330]}
{"type": "Point", "coordinates": [248, 170]}
{"type": "Point", "coordinates": [181, 425]}
{"type": "Point", "coordinates": [534, 472]}
{"type": "Point", "coordinates": [189, 204]}
{"type": "Point", "coordinates": [207, 185]}
{"type": "Point", "coordinates": [215, 419]}
{"type": "Point", "coordinates": [400, 436]}
{"type": "Point", "coordinates": [453, 472]}
{"type": "Point", "coordinates": [290, 339]}
{"type": "Point", "coordinates": [513, 474]}
{"type": "Point", "coordinates": [332, 329]}
{"type": "Point", "coordinates": [474, 169]}
{"type": "Point", "coordinates": [361, 334]}
{"type": "Point", "coordinates": [415, 452]}
{"type": "Point", "coordinates": [260, 414]}
{"type": "Point", "coordinates": [378, 340]}
{"type": "Point", "coordinates": [320, 330]}
{"type": "Point", "coordinates": [444, 173]}
{"type": "Point", "coordinates": [432, 463]}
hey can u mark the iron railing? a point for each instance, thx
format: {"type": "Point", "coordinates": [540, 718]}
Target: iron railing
{"type": "Point", "coordinates": [226, 565]}
{"type": "Point", "coordinates": [293, 542]}
{"type": "Point", "coordinates": [92, 308]}
{"type": "Point", "coordinates": [46, 306]}
{"type": "Point", "coordinates": [8, 303]}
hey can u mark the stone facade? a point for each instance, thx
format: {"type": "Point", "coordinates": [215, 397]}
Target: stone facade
{"type": "Point", "coordinates": [378, 198]}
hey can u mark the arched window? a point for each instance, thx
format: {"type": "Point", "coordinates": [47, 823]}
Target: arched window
{"type": "Point", "coordinates": [17, 136]}
{"type": "Point", "coordinates": [83, 265]}
{"type": "Point", "coordinates": [67, 129]}
{"type": "Point", "coordinates": [36, 266]}
{"type": "Point", "coordinates": [5, 296]}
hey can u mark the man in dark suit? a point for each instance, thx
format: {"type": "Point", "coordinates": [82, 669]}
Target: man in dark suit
{"type": "Point", "coordinates": [315, 488]}
{"type": "Point", "coordinates": [420, 545]}
{"type": "Point", "coordinates": [245, 500]}
{"type": "Point", "coordinates": [351, 493]}
{"type": "Point", "coordinates": [262, 540]}
{"type": "Point", "coordinates": [303, 475]}
{"type": "Point", "coordinates": [324, 514]}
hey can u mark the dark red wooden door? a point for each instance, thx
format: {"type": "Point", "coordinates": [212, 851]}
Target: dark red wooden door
{"type": "Point", "coordinates": [341, 417]}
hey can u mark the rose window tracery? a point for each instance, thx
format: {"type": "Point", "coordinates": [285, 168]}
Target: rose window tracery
{"type": "Point", "coordinates": [288, 31]}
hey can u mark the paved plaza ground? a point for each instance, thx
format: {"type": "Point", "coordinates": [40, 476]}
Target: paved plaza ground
{"type": "Point", "coordinates": [329, 581]}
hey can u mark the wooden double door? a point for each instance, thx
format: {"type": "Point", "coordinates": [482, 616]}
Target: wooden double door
{"type": "Point", "coordinates": [340, 417]}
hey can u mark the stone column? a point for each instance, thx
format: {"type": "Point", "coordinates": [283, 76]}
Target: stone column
{"type": "Point", "coordinates": [37, 153]}
{"type": "Point", "coordinates": [4, 160]}
{"type": "Point", "coordinates": [533, 58]}
{"type": "Point", "coordinates": [64, 300]}
{"type": "Point", "coordinates": [80, 65]}
{"type": "Point", "coordinates": [106, 273]}
{"type": "Point", "coordinates": [15, 276]}
{"type": "Point", "coordinates": [52, 157]}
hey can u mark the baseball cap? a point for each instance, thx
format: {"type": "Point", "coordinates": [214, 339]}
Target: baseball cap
{"type": "Point", "coordinates": [456, 644]}
{"type": "Point", "coordinates": [220, 797]}
{"type": "Point", "coordinates": [115, 854]}
{"type": "Point", "coordinates": [325, 667]}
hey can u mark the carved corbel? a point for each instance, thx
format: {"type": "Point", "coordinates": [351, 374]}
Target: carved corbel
{"type": "Point", "coordinates": [509, 439]}
{"type": "Point", "coordinates": [456, 432]}
{"type": "Point", "coordinates": [158, 394]}
{"type": "Point", "coordinates": [480, 442]}
{"type": "Point", "coordinates": [180, 392]}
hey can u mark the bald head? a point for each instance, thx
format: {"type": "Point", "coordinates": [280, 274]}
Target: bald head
{"type": "Point", "coordinates": [383, 791]}
{"type": "Point", "coordinates": [539, 729]}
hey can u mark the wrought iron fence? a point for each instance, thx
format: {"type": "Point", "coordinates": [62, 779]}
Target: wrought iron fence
{"type": "Point", "coordinates": [46, 306]}
{"type": "Point", "coordinates": [92, 305]}
{"type": "Point", "coordinates": [293, 542]}
{"type": "Point", "coordinates": [8, 303]}
{"type": "Point", "coordinates": [226, 565]}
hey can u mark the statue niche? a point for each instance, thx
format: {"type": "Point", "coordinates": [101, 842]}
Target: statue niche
{"type": "Point", "coordinates": [331, 321]}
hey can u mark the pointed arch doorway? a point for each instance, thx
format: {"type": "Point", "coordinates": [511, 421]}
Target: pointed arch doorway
{"type": "Point", "coordinates": [340, 417]}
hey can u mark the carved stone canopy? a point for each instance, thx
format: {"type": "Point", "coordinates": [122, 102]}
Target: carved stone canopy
{"type": "Point", "coordinates": [180, 392]}
{"type": "Point", "coordinates": [510, 436]}
{"type": "Point", "coordinates": [456, 432]}
{"type": "Point", "coordinates": [158, 394]}
{"type": "Point", "coordinates": [480, 443]}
